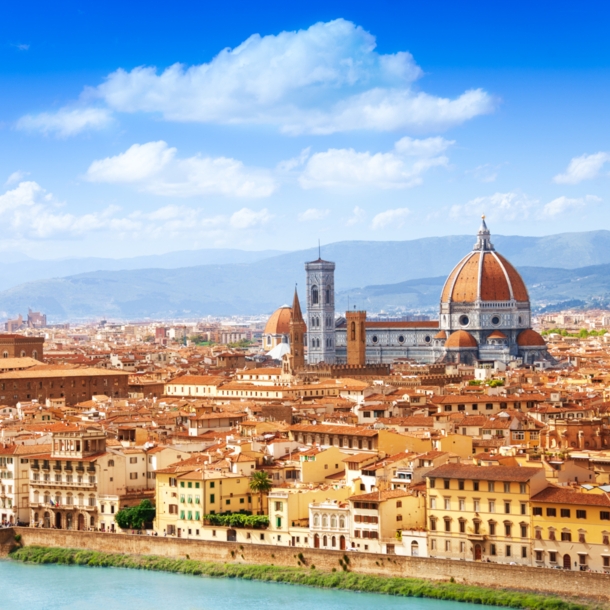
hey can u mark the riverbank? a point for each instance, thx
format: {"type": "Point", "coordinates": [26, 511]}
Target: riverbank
{"type": "Point", "coordinates": [304, 575]}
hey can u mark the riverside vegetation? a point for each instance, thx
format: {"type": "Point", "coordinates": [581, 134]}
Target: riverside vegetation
{"type": "Point", "coordinates": [303, 575]}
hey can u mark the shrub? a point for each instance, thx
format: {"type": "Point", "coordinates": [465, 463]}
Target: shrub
{"type": "Point", "coordinates": [136, 517]}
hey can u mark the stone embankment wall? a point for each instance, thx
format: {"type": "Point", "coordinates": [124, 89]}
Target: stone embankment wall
{"type": "Point", "coordinates": [581, 584]}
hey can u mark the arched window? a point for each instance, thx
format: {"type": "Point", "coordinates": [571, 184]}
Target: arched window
{"type": "Point", "coordinates": [23, 353]}
{"type": "Point", "coordinates": [110, 463]}
{"type": "Point", "coordinates": [317, 342]}
{"type": "Point", "coordinates": [325, 521]}
{"type": "Point", "coordinates": [342, 522]}
{"type": "Point", "coordinates": [5, 355]}
{"type": "Point", "coordinates": [327, 295]}
{"type": "Point", "coordinates": [314, 295]}
{"type": "Point", "coordinates": [324, 541]}
{"type": "Point", "coordinates": [35, 355]}
{"type": "Point", "coordinates": [334, 541]}
{"type": "Point", "coordinates": [353, 331]}
{"type": "Point", "coordinates": [333, 521]}
{"type": "Point", "coordinates": [316, 520]}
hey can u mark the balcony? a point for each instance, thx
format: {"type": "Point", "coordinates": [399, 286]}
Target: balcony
{"type": "Point", "coordinates": [55, 484]}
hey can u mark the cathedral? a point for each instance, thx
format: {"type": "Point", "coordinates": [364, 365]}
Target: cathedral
{"type": "Point", "coordinates": [484, 316]}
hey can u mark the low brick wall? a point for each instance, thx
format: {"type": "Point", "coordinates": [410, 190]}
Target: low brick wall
{"type": "Point", "coordinates": [582, 584]}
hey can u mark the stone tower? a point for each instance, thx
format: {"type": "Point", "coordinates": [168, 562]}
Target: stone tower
{"type": "Point", "coordinates": [320, 311]}
{"type": "Point", "coordinates": [356, 337]}
{"type": "Point", "coordinates": [297, 335]}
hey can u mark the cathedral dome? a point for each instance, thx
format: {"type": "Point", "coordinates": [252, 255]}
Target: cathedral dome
{"type": "Point", "coordinates": [484, 275]}
{"type": "Point", "coordinates": [279, 322]}
{"type": "Point", "coordinates": [461, 338]}
{"type": "Point", "coordinates": [530, 338]}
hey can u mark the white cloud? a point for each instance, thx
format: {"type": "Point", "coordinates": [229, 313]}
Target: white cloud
{"type": "Point", "coordinates": [565, 204]}
{"type": "Point", "coordinates": [66, 121]}
{"type": "Point", "coordinates": [401, 168]}
{"type": "Point", "coordinates": [15, 177]}
{"type": "Point", "coordinates": [154, 167]}
{"type": "Point", "coordinates": [321, 80]}
{"type": "Point", "coordinates": [29, 212]}
{"type": "Point", "coordinates": [358, 216]}
{"type": "Point", "coordinates": [582, 168]}
{"type": "Point", "coordinates": [396, 218]}
{"type": "Point", "coordinates": [499, 206]}
{"type": "Point", "coordinates": [246, 218]}
{"type": "Point", "coordinates": [313, 214]}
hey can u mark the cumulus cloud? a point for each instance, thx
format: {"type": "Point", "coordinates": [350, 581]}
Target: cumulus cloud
{"type": "Point", "coordinates": [66, 121]}
{"type": "Point", "coordinates": [29, 212]}
{"type": "Point", "coordinates": [565, 204]}
{"type": "Point", "coordinates": [324, 79]}
{"type": "Point", "coordinates": [499, 206]}
{"type": "Point", "coordinates": [485, 173]}
{"type": "Point", "coordinates": [401, 168]}
{"type": "Point", "coordinates": [585, 167]}
{"type": "Point", "coordinates": [313, 214]}
{"type": "Point", "coordinates": [395, 217]}
{"type": "Point", "coordinates": [155, 168]}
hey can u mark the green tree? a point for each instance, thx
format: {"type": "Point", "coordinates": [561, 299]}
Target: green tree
{"type": "Point", "coordinates": [260, 483]}
{"type": "Point", "coordinates": [136, 517]}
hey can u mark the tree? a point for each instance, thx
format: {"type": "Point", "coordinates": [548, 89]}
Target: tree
{"type": "Point", "coordinates": [260, 483]}
{"type": "Point", "coordinates": [136, 516]}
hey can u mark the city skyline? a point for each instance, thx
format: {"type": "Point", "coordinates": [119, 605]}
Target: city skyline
{"type": "Point", "coordinates": [345, 125]}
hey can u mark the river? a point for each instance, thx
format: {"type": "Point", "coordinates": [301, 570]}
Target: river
{"type": "Point", "coordinates": [55, 587]}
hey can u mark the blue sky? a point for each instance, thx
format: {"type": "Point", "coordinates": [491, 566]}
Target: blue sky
{"type": "Point", "coordinates": [136, 128]}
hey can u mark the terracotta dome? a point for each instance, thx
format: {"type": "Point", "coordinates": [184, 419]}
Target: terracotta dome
{"type": "Point", "coordinates": [279, 322]}
{"type": "Point", "coordinates": [461, 338]}
{"type": "Point", "coordinates": [530, 338]}
{"type": "Point", "coordinates": [497, 334]}
{"type": "Point", "coordinates": [440, 335]}
{"type": "Point", "coordinates": [484, 275]}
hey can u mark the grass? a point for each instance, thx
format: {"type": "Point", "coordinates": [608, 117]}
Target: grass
{"type": "Point", "coordinates": [405, 587]}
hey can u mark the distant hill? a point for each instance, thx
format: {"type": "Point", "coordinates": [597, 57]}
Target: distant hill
{"type": "Point", "coordinates": [372, 275]}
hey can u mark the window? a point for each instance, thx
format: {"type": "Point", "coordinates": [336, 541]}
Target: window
{"type": "Point", "coordinates": [553, 556]}
{"type": "Point", "coordinates": [565, 512]}
{"type": "Point", "coordinates": [447, 525]}
{"type": "Point", "coordinates": [133, 460]}
{"type": "Point", "coordinates": [551, 512]}
{"type": "Point", "coordinates": [477, 505]}
{"type": "Point", "coordinates": [447, 545]}
{"type": "Point", "coordinates": [462, 526]}
{"type": "Point", "coordinates": [606, 561]}
{"type": "Point", "coordinates": [581, 537]}
{"type": "Point", "coordinates": [508, 551]}
{"type": "Point", "coordinates": [212, 498]}
{"type": "Point", "coordinates": [278, 522]}
{"type": "Point", "coordinates": [432, 502]}
{"type": "Point", "coordinates": [604, 515]}
{"type": "Point", "coordinates": [461, 485]}
{"type": "Point", "coordinates": [523, 531]}
{"type": "Point", "coordinates": [523, 508]}
{"type": "Point", "coordinates": [462, 504]}
{"type": "Point", "coordinates": [491, 486]}
{"type": "Point", "coordinates": [524, 552]}
{"type": "Point", "coordinates": [133, 475]}
{"type": "Point", "coordinates": [566, 536]}
{"type": "Point", "coordinates": [433, 544]}
{"type": "Point", "coordinates": [537, 510]}
{"type": "Point", "coordinates": [475, 486]}
{"type": "Point", "coordinates": [446, 483]}
{"type": "Point", "coordinates": [492, 528]}
{"type": "Point", "coordinates": [447, 503]}
{"type": "Point", "coordinates": [506, 488]}
{"type": "Point", "coordinates": [581, 514]}
{"type": "Point", "coordinates": [492, 506]}
{"type": "Point", "coordinates": [278, 506]}
{"type": "Point", "coordinates": [522, 488]}
{"type": "Point", "coordinates": [539, 556]}
{"type": "Point", "coordinates": [492, 549]}
{"type": "Point", "coordinates": [605, 539]}
{"type": "Point", "coordinates": [508, 529]}
{"type": "Point", "coordinates": [433, 524]}
{"type": "Point", "coordinates": [552, 534]}
{"type": "Point", "coordinates": [314, 295]}
{"type": "Point", "coordinates": [507, 507]}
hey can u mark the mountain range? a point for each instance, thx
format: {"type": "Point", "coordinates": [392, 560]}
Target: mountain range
{"type": "Point", "coordinates": [395, 276]}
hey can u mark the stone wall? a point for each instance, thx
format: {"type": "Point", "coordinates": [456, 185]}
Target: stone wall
{"type": "Point", "coordinates": [582, 584]}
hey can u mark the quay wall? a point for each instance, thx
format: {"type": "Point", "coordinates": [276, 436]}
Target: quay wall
{"type": "Point", "coordinates": [560, 582]}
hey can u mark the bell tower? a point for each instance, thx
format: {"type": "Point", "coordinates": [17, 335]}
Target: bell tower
{"type": "Point", "coordinates": [356, 337]}
{"type": "Point", "coordinates": [320, 311]}
{"type": "Point", "coordinates": [297, 335]}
